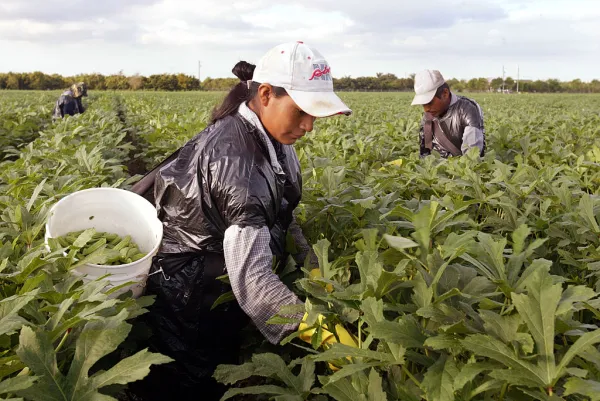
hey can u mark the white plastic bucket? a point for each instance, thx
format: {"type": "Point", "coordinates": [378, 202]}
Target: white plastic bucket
{"type": "Point", "coordinates": [116, 211]}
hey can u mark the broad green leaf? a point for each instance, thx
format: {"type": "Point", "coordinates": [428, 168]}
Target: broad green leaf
{"type": "Point", "coordinates": [577, 372]}
{"type": "Point", "coordinates": [265, 389]}
{"type": "Point", "coordinates": [307, 374]}
{"type": "Point", "coordinates": [514, 377]}
{"type": "Point", "coordinates": [487, 346]}
{"type": "Point", "coordinates": [10, 365]}
{"type": "Point", "coordinates": [223, 298]}
{"type": "Point", "coordinates": [442, 313]}
{"type": "Point", "coordinates": [538, 309]}
{"type": "Point", "coordinates": [578, 347]}
{"type": "Point", "coordinates": [478, 287]}
{"type": "Point", "coordinates": [321, 249]}
{"type": "Point", "coordinates": [369, 267]}
{"type": "Point", "coordinates": [54, 321]}
{"type": "Point", "coordinates": [447, 295]}
{"type": "Point", "coordinates": [443, 341]}
{"type": "Point", "coordinates": [375, 389]}
{"type": "Point", "coordinates": [35, 194]}
{"type": "Point", "coordinates": [588, 388]}
{"type": "Point", "coordinates": [423, 222]}
{"type": "Point", "coordinates": [457, 244]}
{"type": "Point", "coordinates": [372, 310]}
{"type": "Point", "coordinates": [586, 211]}
{"type": "Point", "coordinates": [525, 341]}
{"type": "Point", "coordinates": [470, 371]}
{"type": "Point", "coordinates": [536, 266]}
{"type": "Point", "coordinates": [33, 282]}
{"type": "Point", "coordinates": [422, 293]}
{"type": "Point", "coordinates": [130, 369]}
{"type": "Point", "coordinates": [502, 327]}
{"type": "Point", "coordinates": [17, 383]}
{"type": "Point", "coordinates": [405, 332]}
{"type": "Point", "coordinates": [36, 351]}
{"type": "Point", "coordinates": [438, 382]}
{"type": "Point", "coordinates": [269, 364]}
{"type": "Point", "coordinates": [518, 238]}
{"type": "Point", "coordinates": [10, 321]}
{"type": "Point", "coordinates": [343, 390]}
{"type": "Point", "coordinates": [492, 385]}
{"type": "Point", "coordinates": [574, 294]}
{"type": "Point", "coordinates": [98, 339]}
{"type": "Point", "coordinates": [491, 252]}
{"type": "Point", "coordinates": [347, 370]}
{"type": "Point", "coordinates": [591, 354]}
{"type": "Point", "coordinates": [230, 374]}
{"type": "Point", "coordinates": [399, 243]}
{"type": "Point", "coordinates": [389, 282]}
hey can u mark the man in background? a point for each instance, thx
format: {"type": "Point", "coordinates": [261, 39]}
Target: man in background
{"type": "Point", "coordinates": [451, 124]}
{"type": "Point", "coordinates": [69, 102]}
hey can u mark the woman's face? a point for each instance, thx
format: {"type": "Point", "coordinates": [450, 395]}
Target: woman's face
{"type": "Point", "coordinates": [281, 117]}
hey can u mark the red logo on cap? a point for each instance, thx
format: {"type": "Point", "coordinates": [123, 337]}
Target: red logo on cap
{"type": "Point", "coordinates": [319, 72]}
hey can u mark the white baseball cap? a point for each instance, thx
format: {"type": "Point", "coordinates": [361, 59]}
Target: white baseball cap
{"type": "Point", "coordinates": [305, 75]}
{"type": "Point", "coordinates": [426, 84]}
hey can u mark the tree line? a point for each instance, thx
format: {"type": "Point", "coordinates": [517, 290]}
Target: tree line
{"type": "Point", "coordinates": [182, 82]}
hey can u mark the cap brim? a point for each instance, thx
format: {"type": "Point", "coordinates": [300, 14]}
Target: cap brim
{"type": "Point", "coordinates": [319, 104]}
{"type": "Point", "coordinates": [423, 98]}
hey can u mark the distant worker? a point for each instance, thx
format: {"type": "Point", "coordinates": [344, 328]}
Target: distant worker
{"type": "Point", "coordinates": [70, 101]}
{"type": "Point", "coordinates": [451, 124]}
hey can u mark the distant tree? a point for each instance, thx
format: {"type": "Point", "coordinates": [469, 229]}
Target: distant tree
{"type": "Point", "coordinates": [554, 85]}
{"type": "Point", "coordinates": [136, 82]}
{"type": "Point", "coordinates": [117, 82]}
{"type": "Point", "coordinates": [38, 80]}
{"type": "Point", "coordinates": [510, 84]}
{"type": "Point", "coordinates": [13, 81]}
{"type": "Point", "coordinates": [380, 82]}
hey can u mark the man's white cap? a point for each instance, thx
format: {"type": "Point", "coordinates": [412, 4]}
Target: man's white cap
{"type": "Point", "coordinates": [426, 84]}
{"type": "Point", "coordinates": [305, 75]}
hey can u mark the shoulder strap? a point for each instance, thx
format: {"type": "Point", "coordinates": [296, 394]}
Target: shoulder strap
{"type": "Point", "coordinates": [444, 140]}
{"type": "Point", "coordinates": [428, 135]}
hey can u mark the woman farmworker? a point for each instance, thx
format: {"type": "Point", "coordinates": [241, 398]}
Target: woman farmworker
{"type": "Point", "coordinates": [226, 203]}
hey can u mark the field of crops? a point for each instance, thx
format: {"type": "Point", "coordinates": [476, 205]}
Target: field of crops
{"type": "Point", "coordinates": [460, 279]}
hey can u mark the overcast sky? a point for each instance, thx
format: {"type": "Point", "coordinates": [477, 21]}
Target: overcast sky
{"type": "Point", "coordinates": [462, 38]}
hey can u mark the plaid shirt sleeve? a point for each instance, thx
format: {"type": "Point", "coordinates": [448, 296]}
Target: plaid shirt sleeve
{"type": "Point", "coordinates": [259, 292]}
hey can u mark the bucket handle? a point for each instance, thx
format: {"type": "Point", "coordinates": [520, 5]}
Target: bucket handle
{"type": "Point", "coordinates": [160, 270]}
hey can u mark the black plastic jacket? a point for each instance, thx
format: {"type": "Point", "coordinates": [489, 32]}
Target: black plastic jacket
{"type": "Point", "coordinates": [224, 177]}
{"type": "Point", "coordinates": [67, 104]}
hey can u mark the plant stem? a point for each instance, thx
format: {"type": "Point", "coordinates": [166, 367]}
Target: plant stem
{"type": "Point", "coordinates": [411, 376]}
{"type": "Point", "coordinates": [360, 323]}
{"type": "Point", "coordinates": [503, 391]}
{"type": "Point", "coordinates": [62, 341]}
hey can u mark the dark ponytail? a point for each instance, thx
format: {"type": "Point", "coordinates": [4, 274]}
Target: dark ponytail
{"type": "Point", "coordinates": [240, 93]}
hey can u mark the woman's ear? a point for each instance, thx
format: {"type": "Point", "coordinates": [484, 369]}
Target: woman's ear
{"type": "Point", "coordinates": [265, 93]}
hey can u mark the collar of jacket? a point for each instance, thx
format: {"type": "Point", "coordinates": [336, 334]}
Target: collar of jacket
{"type": "Point", "coordinates": [453, 99]}
{"type": "Point", "coordinates": [253, 119]}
